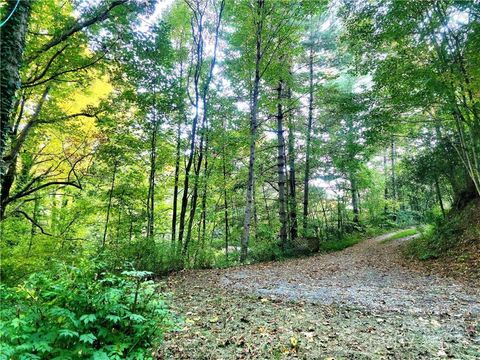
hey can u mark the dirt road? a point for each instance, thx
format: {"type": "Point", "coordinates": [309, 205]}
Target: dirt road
{"type": "Point", "coordinates": [364, 302]}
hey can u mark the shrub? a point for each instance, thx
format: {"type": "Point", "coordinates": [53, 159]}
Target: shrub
{"type": "Point", "coordinates": [266, 250]}
{"type": "Point", "coordinates": [340, 244]}
{"type": "Point", "coordinates": [77, 312]}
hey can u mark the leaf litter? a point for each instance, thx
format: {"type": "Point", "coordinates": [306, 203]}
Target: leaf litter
{"type": "Point", "coordinates": [364, 302]}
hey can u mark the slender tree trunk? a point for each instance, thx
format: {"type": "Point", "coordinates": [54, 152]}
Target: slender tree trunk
{"type": "Point", "coordinates": [203, 215]}
{"type": "Point", "coordinates": [439, 196]}
{"type": "Point", "coordinates": [267, 209]}
{"type": "Point", "coordinates": [385, 175]}
{"type": "Point", "coordinates": [394, 181]}
{"type": "Point", "coordinates": [194, 199]}
{"type": "Point", "coordinates": [292, 182]}
{"type": "Point", "coordinates": [308, 144]}
{"type": "Point", "coordinates": [225, 202]}
{"type": "Point", "coordinates": [151, 181]}
{"type": "Point", "coordinates": [354, 191]}
{"type": "Point", "coordinates": [204, 97]}
{"type": "Point", "coordinates": [109, 206]}
{"type": "Point", "coordinates": [339, 216]}
{"type": "Point", "coordinates": [198, 39]}
{"type": "Point", "coordinates": [253, 133]}
{"type": "Point", "coordinates": [175, 186]}
{"type": "Point", "coordinates": [282, 213]}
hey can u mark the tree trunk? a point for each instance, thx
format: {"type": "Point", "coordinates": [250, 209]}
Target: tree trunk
{"type": "Point", "coordinates": [198, 38]}
{"type": "Point", "coordinates": [175, 186]}
{"type": "Point", "coordinates": [151, 180]}
{"type": "Point", "coordinates": [308, 144]}
{"type": "Point", "coordinates": [253, 134]}
{"type": "Point", "coordinates": [354, 191]}
{"type": "Point", "coordinates": [196, 79]}
{"type": "Point", "coordinates": [394, 181]}
{"type": "Point", "coordinates": [12, 44]}
{"type": "Point", "coordinates": [7, 179]}
{"type": "Point", "coordinates": [203, 215]}
{"type": "Point", "coordinates": [292, 182]}
{"type": "Point", "coordinates": [225, 202]}
{"type": "Point", "coordinates": [385, 175]}
{"type": "Point", "coordinates": [282, 214]}
{"type": "Point", "coordinates": [439, 196]}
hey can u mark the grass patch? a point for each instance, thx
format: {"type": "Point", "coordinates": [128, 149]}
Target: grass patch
{"type": "Point", "coordinates": [340, 244]}
{"type": "Point", "coordinates": [400, 235]}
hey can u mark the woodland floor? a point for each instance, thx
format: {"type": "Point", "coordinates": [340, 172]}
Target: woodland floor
{"type": "Point", "coordinates": [365, 302]}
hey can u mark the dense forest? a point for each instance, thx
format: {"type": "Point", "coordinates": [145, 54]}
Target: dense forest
{"type": "Point", "coordinates": [142, 138]}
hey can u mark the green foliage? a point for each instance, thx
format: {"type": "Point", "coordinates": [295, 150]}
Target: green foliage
{"type": "Point", "coordinates": [79, 312]}
{"type": "Point", "coordinates": [266, 250]}
{"type": "Point", "coordinates": [445, 236]}
{"type": "Point", "coordinates": [340, 244]}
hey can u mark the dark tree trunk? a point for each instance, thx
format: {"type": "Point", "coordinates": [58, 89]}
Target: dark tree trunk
{"type": "Point", "coordinates": [354, 192]}
{"type": "Point", "coordinates": [282, 213]}
{"type": "Point", "coordinates": [151, 180]}
{"type": "Point", "coordinates": [12, 44]}
{"type": "Point", "coordinates": [292, 182]}
{"type": "Point", "coordinates": [199, 13]}
{"type": "Point", "coordinates": [308, 144]}
{"type": "Point", "coordinates": [7, 179]}
{"type": "Point", "coordinates": [175, 186]}
{"type": "Point", "coordinates": [439, 196]}
{"type": "Point", "coordinates": [225, 202]}
{"type": "Point", "coordinates": [196, 79]}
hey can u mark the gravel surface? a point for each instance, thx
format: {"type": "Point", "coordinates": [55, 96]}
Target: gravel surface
{"type": "Point", "coordinates": [364, 302]}
{"type": "Point", "coordinates": [371, 274]}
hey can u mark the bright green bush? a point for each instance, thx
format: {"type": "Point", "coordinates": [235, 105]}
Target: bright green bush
{"type": "Point", "coordinates": [79, 312]}
{"type": "Point", "coordinates": [266, 250]}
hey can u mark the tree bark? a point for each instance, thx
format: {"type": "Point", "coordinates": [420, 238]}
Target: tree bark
{"type": "Point", "coordinates": [253, 132]}
{"type": "Point", "coordinates": [308, 144]}
{"type": "Point", "coordinates": [385, 175]}
{"type": "Point", "coordinates": [282, 213]}
{"type": "Point", "coordinates": [439, 196]}
{"type": "Point", "coordinates": [354, 192]}
{"type": "Point", "coordinates": [225, 202]}
{"type": "Point", "coordinates": [151, 179]}
{"type": "Point", "coordinates": [292, 182]}
{"type": "Point", "coordinates": [198, 40]}
{"type": "Point", "coordinates": [12, 45]}
{"type": "Point", "coordinates": [175, 186]}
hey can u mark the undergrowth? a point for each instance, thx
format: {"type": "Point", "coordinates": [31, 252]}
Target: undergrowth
{"type": "Point", "coordinates": [441, 238]}
{"type": "Point", "coordinates": [81, 312]}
